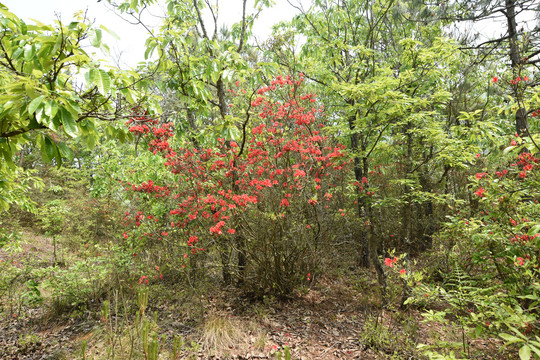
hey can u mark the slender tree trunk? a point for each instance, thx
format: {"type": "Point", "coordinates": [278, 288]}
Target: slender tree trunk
{"type": "Point", "coordinates": [364, 248]}
{"type": "Point", "coordinates": [522, 124]}
{"type": "Point", "coordinates": [426, 209]}
{"type": "Point", "coordinates": [369, 241]}
{"type": "Point", "coordinates": [192, 120]}
{"type": "Point", "coordinates": [225, 255]}
{"type": "Point", "coordinates": [406, 221]}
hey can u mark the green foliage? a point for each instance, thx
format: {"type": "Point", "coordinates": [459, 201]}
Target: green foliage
{"type": "Point", "coordinates": [53, 216]}
{"type": "Point", "coordinates": [375, 333]}
{"type": "Point", "coordinates": [15, 185]}
{"type": "Point", "coordinates": [493, 283]}
{"type": "Point", "coordinates": [41, 103]}
{"type": "Point", "coordinates": [286, 354]}
{"type": "Point", "coordinates": [10, 241]}
{"type": "Point", "coordinates": [32, 295]}
{"type": "Point", "coordinates": [419, 127]}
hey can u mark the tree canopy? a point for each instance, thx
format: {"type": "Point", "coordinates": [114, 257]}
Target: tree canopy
{"type": "Point", "coordinates": [360, 135]}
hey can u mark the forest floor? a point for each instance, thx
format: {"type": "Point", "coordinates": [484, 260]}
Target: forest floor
{"type": "Point", "coordinates": [337, 317]}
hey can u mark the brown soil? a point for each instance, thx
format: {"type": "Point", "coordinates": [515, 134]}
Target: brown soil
{"type": "Point", "coordinates": [333, 318]}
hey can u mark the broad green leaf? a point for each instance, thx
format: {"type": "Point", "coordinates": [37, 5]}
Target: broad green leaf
{"type": "Point", "coordinates": [525, 352]}
{"type": "Point", "coordinates": [30, 90]}
{"type": "Point", "coordinates": [65, 151]}
{"type": "Point", "coordinates": [534, 230]}
{"type": "Point", "coordinates": [121, 136]}
{"type": "Point", "coordinates": [72, 107]}
{"type": "Point", "coordinates": [8, 157]}
{"type": "Point", "coordinates": [58, 43]}
{"type": "Point", "coordinates": [47, 149]}
{"type": "Point", "coordinates": [54, 123]}
{"type": "Point", "coordinates": [24, 28]}
{"type": "Point", "coordinates": [102, 81]}
{"type": "Point", "coordinates": [29, 52]}
{"type": "Point", "coordinates": [35, 103]}
{"type": "Point", "coordinates": [509, 338]}
{"type": "Point", "coordinates": [535, 348]}
{"type": "Point", "coordinates": [51, 108]}
{"type": "Point", "coordinates": [75, 59]}
{"type": "Point", "coordinates": [70, 125]}
{"type": "Point", "coordinates": [90, 76]}
{"type": "Point", "coordinates": [57, 155]}
{"type": "Point", "coordinates": [95, 38]}
{"type": "Point", "coordinates": [41, 117]}
{"type": "Point", "coordinates": [91, 140]}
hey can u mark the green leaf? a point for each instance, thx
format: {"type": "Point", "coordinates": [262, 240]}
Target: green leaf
{"type": "Point", "coordinates": [535, 349]}
{"type": "Point", "coordinates": [58, 43]}
{"type": "Point", "coordinates": [121, 136]}
{"type": "Point", "coordinates": [91, 140]}
{"type": "Point", "coordinates": [57, 155]}
{"type": "Point", "coordinates": [95, 38]}
{"type": "Point", "coordinates": [110, 32]}
{"type": "Point", "coordinates": [24, 28]}
{"type": "Point", "coordinates": [534, 230]}
{"type": "Point", "coordinates": [525, 352]}
{"type": "Point", "coordinates": [34, 104]}
{"type": "Point", "coordinates": [73, 108]}
{"type": "Point", "coordinates": [90, 76]}
{"type": "Point", "coordinates": [70, 125]}
{"type": "Point", "coordinates": [510, 338]}
{"type": "Point", "coordinates": [29, 52]}
{"type": "Point", "coordinates": [47, 149]}
{"type": "Point", "coordinates": [51, 108]}
{"type": "Point", "coordinates": [65, 151]}
{"type": "Point", "coordinates": [41, 117]}
{"type": "Point", "coordinates": [74, 59]}
{"type": "Point", "coordinates": [102, 81]}
{"type": "Point", "coordinates": [8, 157]}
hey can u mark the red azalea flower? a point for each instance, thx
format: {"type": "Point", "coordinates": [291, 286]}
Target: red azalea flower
{"type": "Point", "coordinates": [480, 192]}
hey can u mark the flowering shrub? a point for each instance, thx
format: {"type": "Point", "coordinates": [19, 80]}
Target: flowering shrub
{"type": "Point", "coordinates": [262, 199]}
{"type": "Point", "coordinates": [497, 250]}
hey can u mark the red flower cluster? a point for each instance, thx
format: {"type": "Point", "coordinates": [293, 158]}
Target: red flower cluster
{"type": "Point", "coordinates": [149, 187]}
{"type": "Point", "coordinates": [518, 79]}
{"type": "Point", "coordinates": [480, 192]}
{"type": "Point", "coordinates": [390, 262]}
{"type": "Point", "coordinates": [284, 156]}
{"type": "Point", "coordinates": [523, 239]}
{"type": "Point", "coordinates": [500, 174]}
{"type": "Point", "coordinates": [480, 175]}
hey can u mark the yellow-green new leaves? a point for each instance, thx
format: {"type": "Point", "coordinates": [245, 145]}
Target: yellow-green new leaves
{"type": "Point", "coordinates": [100, 79]}
{"type": "Point", "coordinates": [43, 97]}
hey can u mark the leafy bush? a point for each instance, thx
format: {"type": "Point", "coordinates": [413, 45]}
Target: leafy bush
{"type": "Point", "coordinates": [262, 199]}
{"type": "Point", "coordinates": [492, 273]}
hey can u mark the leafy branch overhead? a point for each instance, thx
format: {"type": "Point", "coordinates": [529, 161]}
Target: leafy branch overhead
{"type": "Point", "coordinates": [51, 87]}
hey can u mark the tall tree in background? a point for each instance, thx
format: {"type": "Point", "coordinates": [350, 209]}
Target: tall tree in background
{"type": "Point", "coordinates": [384, 78]}
{"type": "Point", "coordinates": [517, 46]}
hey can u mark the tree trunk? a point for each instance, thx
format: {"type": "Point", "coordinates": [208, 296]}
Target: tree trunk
{"type": "Point", "coordinates": [426, 210]}
{"type": "Point", "coordinates": [369, 241]}
{"type": "Point", "coordinates": [522, 125]}
{"type": "Point", "coordinates": [406, 220]}
{"type": "Point", "coordinates": [364, 248]}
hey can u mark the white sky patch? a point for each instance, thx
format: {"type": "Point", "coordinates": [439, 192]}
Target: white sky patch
{"type": "Point", "coordinates": [129, 49]}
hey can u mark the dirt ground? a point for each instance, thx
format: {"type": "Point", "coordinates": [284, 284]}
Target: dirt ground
{"type": "Point", "coordinates": [334, 318]}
